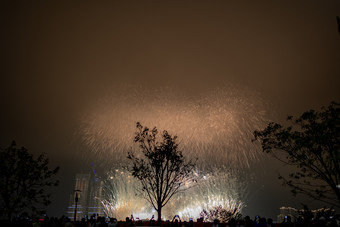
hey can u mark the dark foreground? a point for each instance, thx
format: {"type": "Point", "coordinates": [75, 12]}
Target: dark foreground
{"type": "Point", "coordinates": [104, 222]}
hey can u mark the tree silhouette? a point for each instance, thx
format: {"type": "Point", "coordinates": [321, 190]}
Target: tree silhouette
{"type": "Point", "coordinates": [161, 168]}
{"type": "Point", "coordinates": [23, 180]}
{"type": "Point", "coordinates": [312, 145]}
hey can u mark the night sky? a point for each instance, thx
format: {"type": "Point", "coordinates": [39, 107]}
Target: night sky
{"type": "Point", "coordinates": [58, 59]}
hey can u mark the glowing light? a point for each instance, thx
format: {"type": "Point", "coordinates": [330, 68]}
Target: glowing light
{"type": "Point", "coordinates": [216, 127]}
{"type": "Point", "coordinates": [120, 198]}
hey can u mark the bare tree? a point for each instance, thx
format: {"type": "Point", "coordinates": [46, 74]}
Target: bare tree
{"type": "Point", "coordinates": [23, 180]}
{"type": "Point", "coordinates": [312, 145]}
{"type": "Point", "coordinates": [161, 168]}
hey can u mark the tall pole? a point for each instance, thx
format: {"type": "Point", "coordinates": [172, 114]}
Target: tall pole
{"type": "Point", "coordinates": [75, 208]}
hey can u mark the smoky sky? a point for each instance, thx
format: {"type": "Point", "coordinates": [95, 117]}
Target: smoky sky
{"type": "Point", "coordinates": [59, 58]}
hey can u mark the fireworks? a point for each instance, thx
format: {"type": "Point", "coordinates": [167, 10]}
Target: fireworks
{"type": "Point", "coordinates": [220, 187]}
{"type": "Point", "coordinates": [216, 127]}
{"type": "Point", "coordinates": [120, 198]}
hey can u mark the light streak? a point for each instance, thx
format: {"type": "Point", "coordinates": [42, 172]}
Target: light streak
{"type": "Point", "coordinates": [216, 127]}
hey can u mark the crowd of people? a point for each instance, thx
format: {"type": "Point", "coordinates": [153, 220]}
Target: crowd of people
{"type": "Point", "coordinates": [332, 221]}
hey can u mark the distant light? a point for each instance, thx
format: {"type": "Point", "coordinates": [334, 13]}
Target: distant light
{"type": "Point", "coordinates": [338, 186]}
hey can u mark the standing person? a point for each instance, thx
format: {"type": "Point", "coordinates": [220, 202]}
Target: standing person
{"type": "Point", "coordinates": [175, 222]}
{"type": "Point", "coordinates": [270, 222]}
{"type": "Point", "coordinates": [112, 223]}
{"type": "Point", "coordinates": [248, 222]}
{"type": "Point", "coordinates": [287, 222]}
{"type": "Point", "coordinates": [216, 223]}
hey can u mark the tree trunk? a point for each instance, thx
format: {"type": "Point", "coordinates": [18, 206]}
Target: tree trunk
{"type": "Point", "coordinates": [337, 192]}
{"type": "Point", "coordinates": [9, 215]}
{"type": "Point", "coordinates": [159, 212]}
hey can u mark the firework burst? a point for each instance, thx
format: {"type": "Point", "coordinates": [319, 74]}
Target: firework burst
{"type": "Point", "coordinates": [216, 127]}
